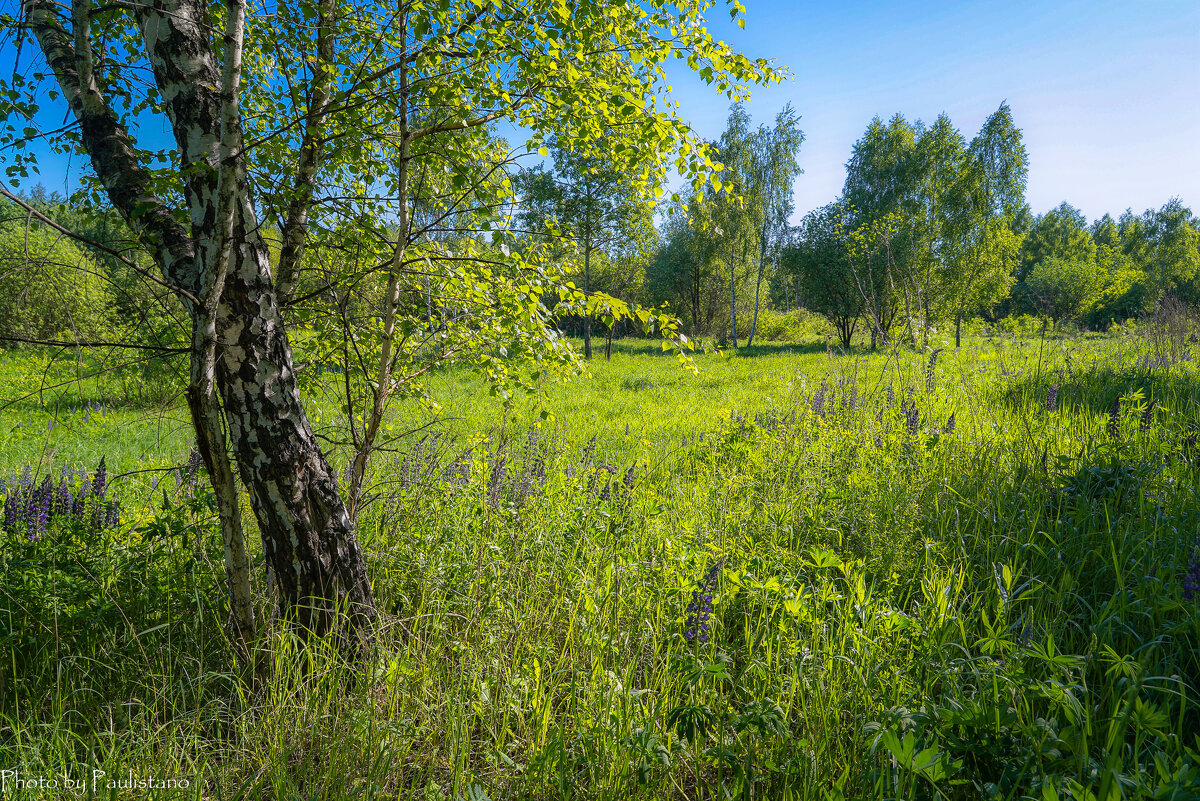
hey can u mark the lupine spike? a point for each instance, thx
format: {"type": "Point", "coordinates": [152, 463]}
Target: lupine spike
{"type": "Point", "coordinates": [699, 611]}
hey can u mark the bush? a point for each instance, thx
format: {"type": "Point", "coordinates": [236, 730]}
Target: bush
{"type": "Point", "coordinates": [51, 288]}
{"type": "Point", "coordinates": [793, 326]}
{"type": "Point", "coordinates": [1065, 290]}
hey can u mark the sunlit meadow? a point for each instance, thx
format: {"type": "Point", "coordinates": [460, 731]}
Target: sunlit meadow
{"type": "Point", "coordinates": [799, 573]}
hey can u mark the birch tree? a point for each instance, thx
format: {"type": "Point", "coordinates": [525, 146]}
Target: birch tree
{"type": "Point", "coordinates": [586, 203]}
{"type": "Point", "coordinates": [774, 171]}
{"type": "Point", "coordinates": [318, 115]}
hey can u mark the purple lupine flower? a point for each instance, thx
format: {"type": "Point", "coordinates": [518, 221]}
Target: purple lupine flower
{"type": "Point", "coordinates": [100, 481]}
{"type": "Point", "coordinates": [191, 469]}
{"type": "Point", "coordinates": [818, 400]}
{"type": "Point", "coordinates": [62, 499]}
{"type": "Point", "coordinates": [697, 627]}
{"type": "Point", "coordinates": [1148, 415]}
{"type": "Point", "coordinates": [112, 515]}
{"type": "Point", "coordinates": [1114, 418]}
{"type": "Point", "coordinates": [930, 375]}
{"type": "Point", "coordinates": [10, 510]}
{"type": "Point", "coordinates": [1052, 397]}
{"type": "Point", "coordinates": [29, 509]}
{"type": "Point", "coordinates": [950, 423]}
{"type": "Point", "coordinates": [80, 501]}
{"type": "Point", "coordinates": [912, 415]}
{"type": "Point", "coordinates": [40, 506]}
{"type": "Point", "coordinates": [850, 399]}
{"type": "Point", "coordinates": [1191, 579]}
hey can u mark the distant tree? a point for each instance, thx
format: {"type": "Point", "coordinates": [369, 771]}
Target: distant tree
{"type": "Point", "coordinates": [1123, 294]}
{"type": "Point", "coordinates": [820, 264]}
{"type": "Point", "coordinates": [1063, 289]}
{"type": "Point", "coordinates": [939, 213]}
{"type": "Point", "coordinates": [871, 252]}
{"type": "Point", "coordinates": [769, 190]}
{"type": "Point", "coordinates": [878, 197]}
{"type": "Point", "coordinates": [729, 222]}
{"type": "Point", "coordinates": [1170, 249]}
{"type": "Point", "coordinates": [991, 199]}
{"type": "Point", "coordinates": [1061, 233]}
{"type": "Point", "coordinates": [587, 204]}
{"type": "Point", "coordinates": [1105, 232]}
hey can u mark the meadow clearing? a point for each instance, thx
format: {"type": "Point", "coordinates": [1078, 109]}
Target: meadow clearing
{"type": "Point", "coordinates": [798, 573]}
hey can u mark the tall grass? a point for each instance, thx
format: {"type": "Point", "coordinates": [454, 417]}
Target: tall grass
{"type": "Point", "coordinates": [907, 607]}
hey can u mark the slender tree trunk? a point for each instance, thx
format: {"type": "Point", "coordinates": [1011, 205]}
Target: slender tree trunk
{"type": "Point", "coordinates": [383, 378]}
{"type": "Point", "coordinates": [202, 398]}
{"type": "Point", "coordinates": [762, 260]}
{"type": "Point", "coordinates": [295, 225]}
{"type": "Point", "coordinates": [313, 557]}
{"type": "Point", "coordinates": [732, 298]}
{"type": "Point", "coordinates": [587, 291]}
{"type": "Point", "coordinates": [958, 330]}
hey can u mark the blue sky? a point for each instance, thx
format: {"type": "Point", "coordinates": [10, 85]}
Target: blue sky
{"type": "Point", "coordinates": [1107, 93]}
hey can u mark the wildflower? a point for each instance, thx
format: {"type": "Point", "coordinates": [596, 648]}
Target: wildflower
{"type": "Point", "coordinates": [10, 510]}
{"type": "Point", "coordinates": [850, 398]}
{"type": "Point", "coordinates": [100, 481]}
{"type": "Point", "coordinates": [62, 499]}
{"type": "Point", "coordinates": [818, 400]}
{"type": "Point", "coordinates": [80, 500]}
{"type": "Point", "coordinates": [912, 415]}
{"type": "Point", "coordinates": [891, 396]}
{"type": "Point", "coordinates": [950, 423]}
{"type": "Point", "coordinates": [1114, 418]}
{"type": "Point", "coordinates": [1148, 415]}
{"type": "Point", "coordinates": [1191, 579]}
{"type": "Point", "coordinates": [191, 468]}
{"type": "Point", "coordinates": [112, 515]}
{"type": "Point", "coordinates": [39, 506]}
{"type": "Point", "coordinates": [930, 375]}
{"type": "Point", "coordinates": [1052, 397]}
{"type": "Point", "coordinates": [699, 611]}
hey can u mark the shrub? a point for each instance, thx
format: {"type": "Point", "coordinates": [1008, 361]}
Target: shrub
{"type": "Point", "coordinates": [50, 288]}
{"type": "Point", "coordinates": [796, 325]}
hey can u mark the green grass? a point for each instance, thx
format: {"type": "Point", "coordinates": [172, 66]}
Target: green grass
{"type": "Point", "coordinates": [907, 609]}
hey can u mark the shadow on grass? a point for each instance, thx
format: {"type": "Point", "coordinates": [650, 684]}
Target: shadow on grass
{"type": "Point", "coordinates": [653, 347]}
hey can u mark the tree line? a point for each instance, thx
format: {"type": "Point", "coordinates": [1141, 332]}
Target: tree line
{"type": "Point", "coordinates": [930, 229]}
